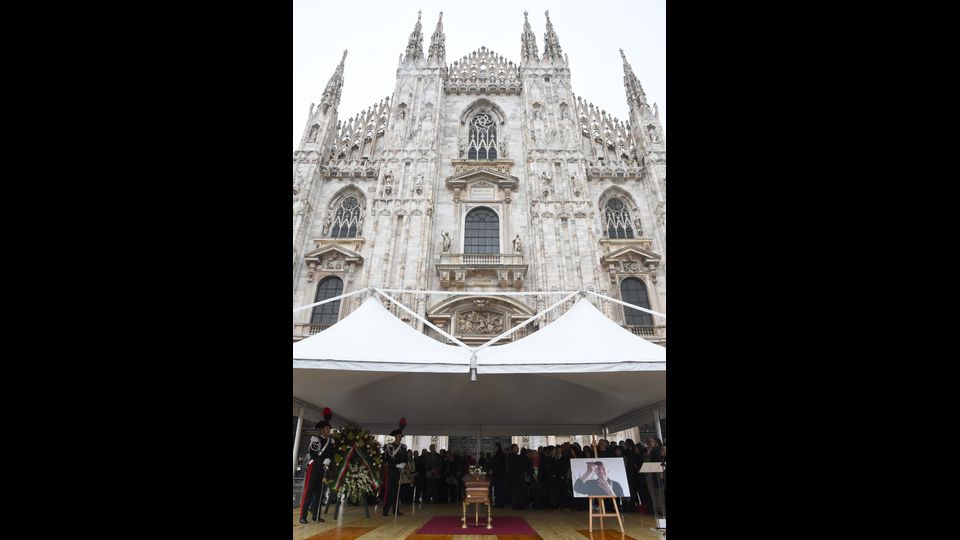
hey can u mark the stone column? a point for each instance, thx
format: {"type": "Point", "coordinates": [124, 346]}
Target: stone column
{"type": "Point", "coordinates": [296, 440]}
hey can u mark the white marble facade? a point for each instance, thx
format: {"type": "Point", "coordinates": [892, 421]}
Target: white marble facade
{"type": "Point", "coordinates": [381, 198]}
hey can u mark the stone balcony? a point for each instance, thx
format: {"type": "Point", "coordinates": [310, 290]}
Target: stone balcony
{"type": "Point", "coordinates": [653, 334]}
{"type": "Point", "coordinates": [462, 270]}
{"type": "Point", "coordinates": [305, 330]}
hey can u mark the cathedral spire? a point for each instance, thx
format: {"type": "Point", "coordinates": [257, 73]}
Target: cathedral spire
{"type": "Point", "coordinates": [331, 94]}
{"type": "Point", "coordinates": [528, 43]}
{"type": "Point", "coordinates": [551, 43]}
{"type": "Point", "coordinates": [635, 93]}
{"type": "Point", "coordinates": [415, 43]}
{"type": "Point", "coordinates": [437, 48]}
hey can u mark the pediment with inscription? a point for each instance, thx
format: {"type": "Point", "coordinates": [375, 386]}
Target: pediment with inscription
{"type": "Point", "coordinates": [331, 258]}
{"type": "Point", "coordinates": [631, 259]}
{"type": "Point", "coordinates": [482, 190]}
{"type": "Point", "coordinates": [489, 174]}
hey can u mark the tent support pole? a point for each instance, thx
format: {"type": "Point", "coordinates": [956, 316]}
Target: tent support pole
{"type": "Point", "coordinates": [296, 439]}
{"type": "Point", "coordinates": [524, 323]}
{"type": "Point", "coordinates": [335, 298]}
{"type": "Point", "coordinates": [622, 303]}
{"type": "Point", "coordinates": [423, 320]}
{"type": "Point", "coordinates": [656, 424]}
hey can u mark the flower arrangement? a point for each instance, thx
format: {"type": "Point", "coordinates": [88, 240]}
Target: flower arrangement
{"type": "Point", "coordinates": [356, 463]}
{"type": "Point", "coordinates": [356, 483]}
{"type": "Point", "coordinates": [476, 470]}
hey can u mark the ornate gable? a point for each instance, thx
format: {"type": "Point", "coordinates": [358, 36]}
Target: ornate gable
{"type": "Point", "coordinates": [331, 258]}
{"type": "Point", "coordinates": [631, 260]}
{"type": "Point", "coordinates": [632, 254]}
{"type": "Point", "coordinates": [483, 72]}
{"type": "Point", "coordinates": [482, 181]}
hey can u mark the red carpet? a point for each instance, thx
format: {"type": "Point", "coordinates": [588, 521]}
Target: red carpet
{"type": "Point", "coordinates": [501, 525]}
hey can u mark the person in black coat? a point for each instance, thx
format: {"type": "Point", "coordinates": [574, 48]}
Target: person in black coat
{"type": "Point", "coordinates": [498, 468]}
{"type": "Point", "coordinates": [394, 460]}
{"type": "Point", "coordinates": [321, 452]}
{"type": "Point", "coordinates": [519, 468]}
{"type": "Point", "coordinates": [421, 474]}
{"type": "Point", "coordinates": [550, 476]}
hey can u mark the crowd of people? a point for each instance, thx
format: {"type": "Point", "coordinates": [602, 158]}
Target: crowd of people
{"type": "Point", "coordinates": [526, 478]}
{"type": "Point", "coordinates": [523, 478]}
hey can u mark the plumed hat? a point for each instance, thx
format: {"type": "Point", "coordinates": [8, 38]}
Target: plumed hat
{"type": "Point", "coordinates": [399, 431]}
{"type": "Point", "coordinates": [327, 415]}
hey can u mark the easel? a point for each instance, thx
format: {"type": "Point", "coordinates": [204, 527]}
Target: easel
{"type": "Point", "coordinates": [603, 512]}
{"type": "Point", "coordinates": [603, 509]}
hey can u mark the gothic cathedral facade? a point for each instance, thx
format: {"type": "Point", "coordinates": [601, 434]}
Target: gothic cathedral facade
{"type": "Point", "coordinates": [481, 175]}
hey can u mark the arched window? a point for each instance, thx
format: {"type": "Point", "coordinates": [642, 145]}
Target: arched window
{"type": "Point", "coordinates": [483, 138]}
{"type": "Point", "coordinates": [633, 291]}
{"type": "Point", "coordinates": [327, 313]}
{"type": "Point", "coordinates": [616, 219]}
{"type": "Point", "coordinates": [347, 219]}
{"type": "Point", "coordinates": [482, 232]}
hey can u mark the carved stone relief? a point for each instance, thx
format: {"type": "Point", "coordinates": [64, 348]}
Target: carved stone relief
{"type": "Point", "coordinates": [479, 322]}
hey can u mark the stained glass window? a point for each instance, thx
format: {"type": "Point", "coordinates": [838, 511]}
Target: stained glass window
{"type": "Point", "coordinates": [483, 138]}
{"type": "Point", "coordinates": [633, 291]}
{"type": "Point", "coordinates": [482, 234]}
{"type": "Point", "coordinates": [327, 313]}
{"type": "Point", "coordinates": [348, 219]}
{"type": "Point", "coordinates": [617, 219]}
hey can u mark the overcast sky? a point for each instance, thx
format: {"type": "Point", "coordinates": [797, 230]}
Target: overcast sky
{"type": "Point", "coordinates": [375, 32]}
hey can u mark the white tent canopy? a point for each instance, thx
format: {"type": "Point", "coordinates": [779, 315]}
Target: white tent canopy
{"type": "Point", "coordinates": [582, 340]}
{"type": "Point", "coordinates": [576, 374]}
{"type": "Point", "coordinates": [372, 339]}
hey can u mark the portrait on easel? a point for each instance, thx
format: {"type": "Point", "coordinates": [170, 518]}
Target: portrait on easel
{"type": "Point", "coordinates": [600, 477]}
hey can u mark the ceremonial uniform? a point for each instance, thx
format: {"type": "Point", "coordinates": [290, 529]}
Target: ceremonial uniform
{"type": "Point", "coordinates": [393, 455]}
{"type": "Point", "coordinates": [321, 452]}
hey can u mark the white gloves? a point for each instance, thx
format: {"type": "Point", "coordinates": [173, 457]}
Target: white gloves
{"type": "Point", "coordinates": [314, 439]}
{"type": "Point", "coordinates": [326, 462]}
{"type": "Point", "coordinates": [401, 466]}
{"type": "Point", "coordinates": [310, 462]}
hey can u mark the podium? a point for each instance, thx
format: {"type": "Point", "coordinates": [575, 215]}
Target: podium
{"type": "Point", "coordinates": [655, 476]}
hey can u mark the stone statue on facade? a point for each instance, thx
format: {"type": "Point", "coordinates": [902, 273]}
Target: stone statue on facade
{"type": "Point", "coordinates": [419, 185]}
{"type": "Point", "coordinates": [517, 245]}
{"type": "Point", "coordinates": [445, 246]}
{"type": "Point", "coordinates": [388, 183]}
